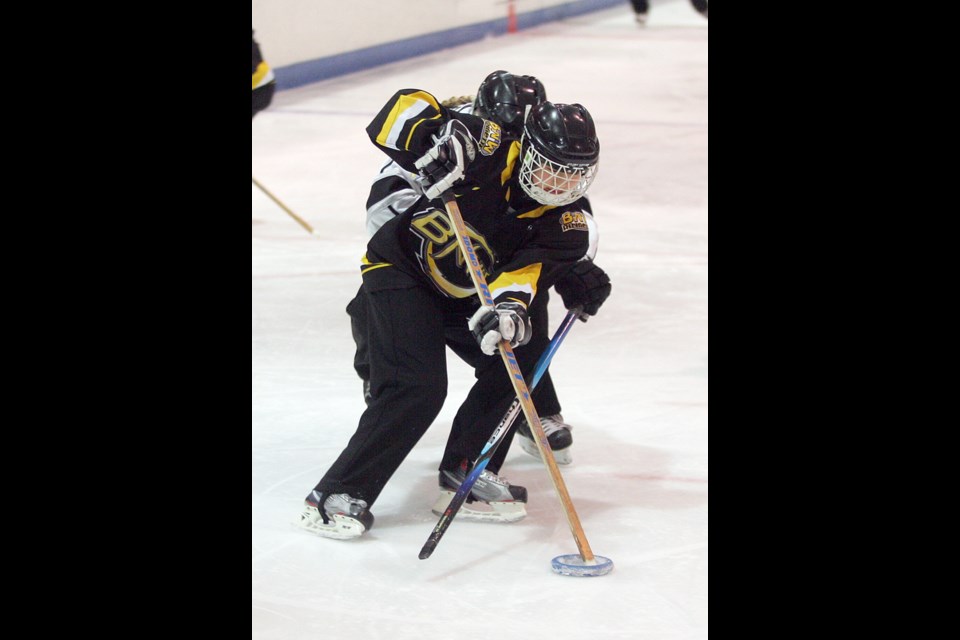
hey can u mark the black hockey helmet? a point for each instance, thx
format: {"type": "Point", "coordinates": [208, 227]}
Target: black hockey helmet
{"type": "Point", "coordinates": [559, 151]}
{"type": "Point", "coordinates": [503, 97]}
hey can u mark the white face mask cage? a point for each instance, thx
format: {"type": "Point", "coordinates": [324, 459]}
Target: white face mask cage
{"type": "Point", "coordinates": [551, 183]}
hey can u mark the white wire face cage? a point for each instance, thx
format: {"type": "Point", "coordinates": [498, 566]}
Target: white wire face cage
{"type": "Point", "coordinates": [550, 182]}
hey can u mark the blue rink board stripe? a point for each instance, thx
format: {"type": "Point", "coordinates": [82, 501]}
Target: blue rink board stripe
{"type": "Point", "coordinates": [301, 73]}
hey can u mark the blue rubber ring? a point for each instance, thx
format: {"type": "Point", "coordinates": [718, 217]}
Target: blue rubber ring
{"type": "Point", "coordinates": [574, 565]}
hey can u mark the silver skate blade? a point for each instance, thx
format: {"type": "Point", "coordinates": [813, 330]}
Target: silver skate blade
{"type": "Point", "coordinates": [340, 527]}
{"type": "Point", "coordinates": [478, 511]}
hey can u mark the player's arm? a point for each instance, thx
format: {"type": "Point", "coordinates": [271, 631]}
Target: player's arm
{"type": "Point", "coordinates": [405, 126]}
{"type": "Point", "coordinates": [585, 284]}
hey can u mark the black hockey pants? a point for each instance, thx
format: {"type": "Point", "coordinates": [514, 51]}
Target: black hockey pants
{"type": "Point", "coordinates": [408, 328]}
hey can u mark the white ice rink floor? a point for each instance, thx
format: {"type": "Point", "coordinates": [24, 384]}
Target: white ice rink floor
{"type": "Point", "coordinates": [632, 381]}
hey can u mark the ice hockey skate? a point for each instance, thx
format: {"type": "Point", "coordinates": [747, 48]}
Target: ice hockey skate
{"type": "Point", "coordinates": [558, 435]}
{"type": "Point", "coordinates": [342, 517]}
{"type": "Point", "coordinates": [491, 499]}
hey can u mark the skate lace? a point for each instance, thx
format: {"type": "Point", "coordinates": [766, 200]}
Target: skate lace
{"type": "Point", "coordinates": [490, 476]}
{"type": "Point", "coordinates": [343, 503]}
{"type": "Point", "coordinates": [552, 424]}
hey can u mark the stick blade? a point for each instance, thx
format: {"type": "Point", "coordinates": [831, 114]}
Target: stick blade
{"type": "Point", "coordinates": [575, 565]}
{"type": "Point", "coordinates": [427, 549]}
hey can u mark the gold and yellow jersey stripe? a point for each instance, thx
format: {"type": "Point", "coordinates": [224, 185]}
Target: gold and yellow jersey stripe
{"type": "Point", "coordinates": [366, 265]}
{"type": "Point", "coordinates": [520, 285]}
{"type": "Point", "coordinates": [512, 156]}
{"type": "Point", "coordinates": [405, 116]}
{"type": "Point", "coordinates": [263, 75]}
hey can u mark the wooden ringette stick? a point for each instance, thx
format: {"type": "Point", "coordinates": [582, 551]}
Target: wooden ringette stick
{"type": "Point", "coordinates": [516, 377]}
{"type": "Point", "coordinates": [446, 518]}
{"type": "Point", "coordinates": [301, 221]}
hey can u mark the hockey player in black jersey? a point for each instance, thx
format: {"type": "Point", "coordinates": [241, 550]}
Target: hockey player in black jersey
{"type": "Point", "coordinates": [264, 83]}
{"type": "Point", "coordinates": [503, 98]}
{"type": "Point", "coordinates": [521, 205]}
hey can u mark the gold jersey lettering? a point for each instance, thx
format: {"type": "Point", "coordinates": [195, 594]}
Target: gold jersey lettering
{"type": "Point", "coordinates": [434, 227]}
{"type": "Point", "coordinates": [573, 221]}
{"type": "Point", "coordinates": [490, 138]}
{"type": "Point", "coordinates": [440, 257]}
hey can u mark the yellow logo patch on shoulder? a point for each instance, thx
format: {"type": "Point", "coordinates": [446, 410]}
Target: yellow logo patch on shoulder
{"type": "Point", "coordinates": [573, 221]}
{"type": "Point", "coordinates": [490, 138]}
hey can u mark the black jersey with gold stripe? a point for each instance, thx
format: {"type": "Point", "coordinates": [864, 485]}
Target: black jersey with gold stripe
{"type": "Point", "coordinates": [523, 245]}
{"type": "Point", "coordinates": [264, 83]}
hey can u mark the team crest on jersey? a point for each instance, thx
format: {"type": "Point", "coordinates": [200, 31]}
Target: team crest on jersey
{"type": "Point", "coordinates": [440, 257]}
{"type": "Point", "coordinates": [573, 221]}
{"type": "Point", "coordinates": [490, 138]}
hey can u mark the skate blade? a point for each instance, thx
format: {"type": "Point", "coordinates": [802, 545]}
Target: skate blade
{"type": "Point", "coordinates": [562, 456]}
{"type": "Point", "coordinates": [340, 527]}
{"type": "Point", "coordinates": [478, 511]}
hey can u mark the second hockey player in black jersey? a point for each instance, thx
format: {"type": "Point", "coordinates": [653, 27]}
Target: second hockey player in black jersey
{"type": "Point", "coordinates": [264, 83]}
{"type": "Point", "coordinates": [520, 201]}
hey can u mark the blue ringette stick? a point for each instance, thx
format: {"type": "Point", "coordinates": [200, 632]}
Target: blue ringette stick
{"type": "Point", "coordinates": [491, 447]}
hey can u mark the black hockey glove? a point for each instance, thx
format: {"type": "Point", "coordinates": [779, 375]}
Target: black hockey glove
{"type": "Point", "coordinates": [444, 163]}
{"type": "Point", "coordinates": [507, 321]}
{"type": "Point", "coordinates": [585, 285]}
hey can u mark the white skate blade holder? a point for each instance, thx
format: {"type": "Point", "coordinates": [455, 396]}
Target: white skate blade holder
{"type": "Point", "coordinates": [575, 565]}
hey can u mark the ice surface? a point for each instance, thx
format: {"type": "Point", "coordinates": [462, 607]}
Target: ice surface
{"type": "Point", "coordinates": [633, 380]}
